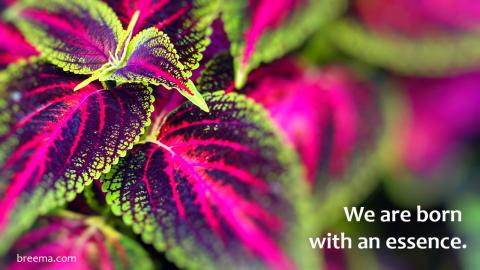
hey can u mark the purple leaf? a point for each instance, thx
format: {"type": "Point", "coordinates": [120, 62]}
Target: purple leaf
{"type": "Point", "coordinates": [54, 141]}
{"type": "Point", "coordinates": [78, 36]}
{"type": "Point", "coordinates": [220, 44]}
{"type": "Point", "coordinates": [216, 191]}
{"type": "Point", "coordinates": [152, 59]}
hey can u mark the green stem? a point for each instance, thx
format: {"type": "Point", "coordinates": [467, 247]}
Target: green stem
{"type": "Point", "coordinates": [95, 76]}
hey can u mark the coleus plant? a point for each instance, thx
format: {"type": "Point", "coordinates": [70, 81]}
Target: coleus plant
{"type": "Point", "coordinates": [195, 185]}
{"type": "Point", "coordinates": [55, 140]}
{"type": "Point", "coordinates": [223, 176]}
{"type": "Point", "coordinates": [213, 184]}
{"type": "Point", "coordinates": [333, 118]}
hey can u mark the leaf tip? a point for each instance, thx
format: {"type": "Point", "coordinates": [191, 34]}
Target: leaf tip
{"type": "Point", "coordinates": [194, 96]}
{"type": "Point", "coordinates": [203, 105]}
{"type": "Point", "coordinates": [133, 22]}
{"type": "Point", "coordinates": [241, 77]}
{"type": "Point", "coordinates": [79, 86]}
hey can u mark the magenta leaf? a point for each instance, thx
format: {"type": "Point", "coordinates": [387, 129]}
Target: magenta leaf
{"type": "Point", "coordinates": [54, 141]}
{"type": "Point", "coordinates": [17, 48]}
{"type": "Point", "coordinates": [443, 112]}
{"type": "Point", "coordinates": [328, 116]}
{"type": "Point", "coordinates": [215, 191]}
{"type": "Point", "coordinates": [75, 242]}
{"type": "Point", "coordinates": [264, 30]}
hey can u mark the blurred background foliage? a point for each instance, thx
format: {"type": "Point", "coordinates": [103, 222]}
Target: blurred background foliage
{"type": "Point", "coordinates": [425, 57]}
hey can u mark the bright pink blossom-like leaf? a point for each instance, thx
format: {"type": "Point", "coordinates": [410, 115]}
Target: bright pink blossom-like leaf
{"type": "Point", "coordinates": [54, 141]}
{"type": "Point", "coordinates": [443, 111]}
{"type": "Point", "coordinates": [327, 115]}
{"type": "Point", "coordinates": [213, 189]}
{"type": "Point", "coordinates": [76, 243]}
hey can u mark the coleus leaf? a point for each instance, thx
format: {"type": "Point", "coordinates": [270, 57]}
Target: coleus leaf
{"type": "Point", "coordinates": [328, 115]}
{"type": "Point", "coordinates": [220, 42]}
{"type": "Point", "coordinates": [336, 124]}
{"type": "Point", "coordinates": [442, 113]}
{"type": "Point", "coordinates": [86, 37]}
{"type": "Point", "coordinates": [17, 48]}
{"type": "Point", "coordinates": [54, 141]}
{"type": "Point", "coordinates": [78, 36]}
{"type": "Point", "coordinates": [5, 3]}
{"type": "Point", "coordinates": [217, 190]}
{"type": "Point", "coordinates": [219, 45]}
{"type": "Point", "coordinates": [14, 47]}
{"type": "Point", "coordinates": [426, 56]}
{"type": "Point", "coordinates": [264, 30]}
{"type": "Point", "coordinates": [217, 74]}
{"type": "Point", "coordinates": [81, 242]}
{"type": "Point", "coordinates": [186, 22]}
